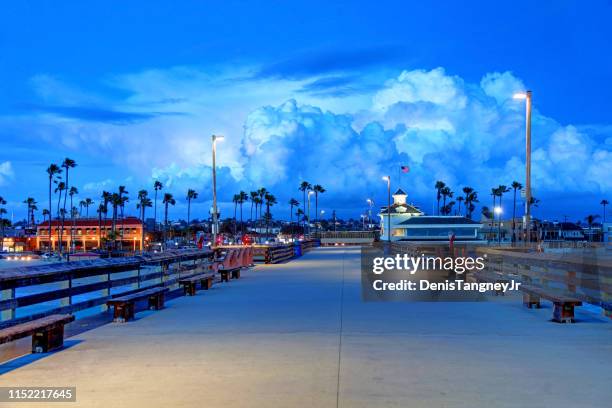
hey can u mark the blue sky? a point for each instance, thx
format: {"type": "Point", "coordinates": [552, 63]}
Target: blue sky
{"type": "Point", "coordinates": [337, 93]}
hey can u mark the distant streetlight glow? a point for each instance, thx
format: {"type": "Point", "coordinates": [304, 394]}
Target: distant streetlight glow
{"type": "Point", "coordinates": [498, 210]}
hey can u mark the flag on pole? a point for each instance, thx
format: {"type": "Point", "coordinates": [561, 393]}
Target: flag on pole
{"type": "Point", "coordinates": [405, 169]}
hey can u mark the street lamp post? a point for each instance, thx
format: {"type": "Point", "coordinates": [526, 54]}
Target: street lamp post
{"type": "Point", "coordinates": [498, 211]}
{"type": "Point", "coordinates": [388, 180]}
{"type": "Point", "coordinates": [322, 212]}
{"type": "Point", "coordinates": [215, 225]}
{"type": "Point", "coordinates": [308, 210]}
{"type": "Point", "coordinates": [527, 222]}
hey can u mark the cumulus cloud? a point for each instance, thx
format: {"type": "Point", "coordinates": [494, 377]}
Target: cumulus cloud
{"type": "Point", "coordinates": [6, 172]}
{"type": "Point", "coordinates": [278, 132]}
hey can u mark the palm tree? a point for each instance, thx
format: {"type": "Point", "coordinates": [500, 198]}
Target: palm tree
{"type": "Point", "coordinates": [102, 209]}
{"type": "Point", "coordinates": [33, 209]}
{"type": "Point", "coordinates": [448, 208]}
{"type": "Point", "coordinates": [191, 195]}
{"type": "Point", "coordinates": [304, 188]}
{"type": "Point", "coordinates": [168, 200]}
{"type": "Point", "coordinates": [292, 203]}
{"type": "Point", "coordinates": [253, 195]}
{"type": "Point", "coordinates": [262, 193]}
{"type": "Point", "coordinates": [317, 188]}
{"type": "Point", "coordinates": [242, 197]}
{"type": "Point", "coordinates": [61, 187]}
{"type": "Point", "coordinates": [122, 200]}
{"type": "Point", "coordinates": [115, 201]}
{"type": "Point", "coordinates": [52, 171]}
{"type": "Point", "coordinates": [515, 186]}
{"type": "Point", "coordinates": [30, 202]}
{"type": "Point", "coordinates": [45, 213]}
{"type": "Point", "coordinates": [235, 200]}
{"type": "Point", "coordinates": [501, 190]}
{"type": "Point", "coordinates": [157, 186]}
{"type": "Point", "coordinates": [81, 205]}
{"type": "Point", "coordinates": [73, 190]}
{"type": "Point", "coordinates": [471, 197]}
{"type": "Point", "coordinates": [604, 203]}
{"type": "Point", "coordinates": [270, 201]}
{"type": "Point", "coordinates": [88, 202]}
{"type": "Point", "coordinates": [299, 214]}
{"type": "Point", "coordinates": [258, 202]}
{"type": "Point", "coordinates": [439, 186]}
{"type": "Point", "coordinates": [67, 164]}
{"type": "Point", "coordinates": [143, 202]}
{"type": "Point", "coordinates": [590, 219]}
{"type": "Point", "coordinates": [459, 200]}
{"type": "Point", "coordinates": [446, 193]}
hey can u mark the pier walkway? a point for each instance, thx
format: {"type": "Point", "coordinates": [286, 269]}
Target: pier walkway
{"type": "Point", "coordinates": [298, 335]}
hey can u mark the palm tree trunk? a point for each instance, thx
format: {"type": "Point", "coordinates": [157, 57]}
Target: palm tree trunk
{"type": "Point", "coordinates": [241, 225]}
{"type": "Point", "coordinates": [50, 213]}
{"type": "Point", "coordinates": [291, 220]}
{"type": "Point", "coordinates": [188, 215]}
{"type": "Point", "coordinates": [304, 205]}
{"type": "Point", "coordinates": [316, 209]}
{"type": "Point", "coordinates": [155, 214]}
{"type": "Point", "coordinates": [142, 238]}
{"type": "Point", "coordinates": [165, 225]}
{"type": "Point", "coordinates": [514, 217]}
{"type": "Point", "coordinates": [64, 213]}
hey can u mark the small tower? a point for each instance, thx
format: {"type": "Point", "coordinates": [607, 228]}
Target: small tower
{"type": "Point", "coordinates": [399, 197]}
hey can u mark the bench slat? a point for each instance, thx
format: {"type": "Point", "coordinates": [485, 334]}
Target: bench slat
{"type": "Point", "coordinates": [138, 295]}
{"type": "Point", "coordinates": [27, 329]}
{"type": "Point", "coordinates": [548, 294]}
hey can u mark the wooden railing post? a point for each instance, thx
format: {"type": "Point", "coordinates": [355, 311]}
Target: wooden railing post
{"type": "Point", "coordinates": [67, 284]}
{"type": "Point", "coordinates": [8, 314]}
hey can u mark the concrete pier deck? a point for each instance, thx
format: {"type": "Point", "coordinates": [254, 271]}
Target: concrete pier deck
{"type": "Point", "coordinates": [298, 335]}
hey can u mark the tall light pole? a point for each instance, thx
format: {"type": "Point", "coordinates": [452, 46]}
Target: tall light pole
{"type": "Point", "coordinates": [498, 211]}
{"type": "Point", "coordinates": [527, 97]}
{"type": "Point", "coordinates": [215, 225]}
{"type": "Point", "coordinates": [308, 210]}
{"type": "Point", "coordinates": [370, 204]}
{"type": "Point", "coordinates": [388, 180]}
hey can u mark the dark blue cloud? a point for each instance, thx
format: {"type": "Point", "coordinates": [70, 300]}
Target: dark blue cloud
{"type": "Point", "coordinates": [96, 114]}
{"type": "Point", "coordinates": [326, 61]}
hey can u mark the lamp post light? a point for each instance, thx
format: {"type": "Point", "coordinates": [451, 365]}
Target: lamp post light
{"type": "Point", "coordinates": [215, 226]}
{"type": "Point", "coordinates": [308, 210]}
{"type": "Point", "coordinates": [527, 97]}
{"type": "Point", "coordinates": [498, 211]}
{"type": "Point", "coordinates": [388, 180]}
{"type": "Point", "coordinates": [321, 213]}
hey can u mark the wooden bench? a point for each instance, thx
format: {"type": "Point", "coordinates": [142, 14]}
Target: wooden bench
{"type": "Point", "coordinates": [491, 278]}
{"type": "Point", "coordinates": [227, 272]}
{"type": "Point", "coordinates": [124, 305]}
{"type": "Point", "coordinates": [563, 305]}
{"type": "Point", "coordinates": [189, 284]}
{"type": "Point", "coordinates": [47, 333]}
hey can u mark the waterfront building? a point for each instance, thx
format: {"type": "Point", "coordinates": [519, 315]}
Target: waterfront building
{"type": "Point", "coordinates": [86, 234]}
{"type": "Point", "coordinates": [408, 223]}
